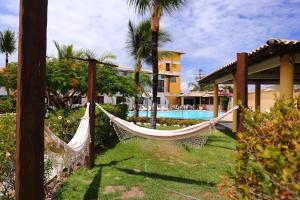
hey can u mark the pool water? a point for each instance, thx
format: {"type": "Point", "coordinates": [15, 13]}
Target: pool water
{"type": "Point", "coordinates": [180, 114]}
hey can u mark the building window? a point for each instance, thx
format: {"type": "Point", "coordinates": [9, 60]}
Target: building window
{"type": "Point", "coordinates": [99, 99]}
{"type": "Point", "coordinates": [167, 66]}
{"type": "Point", "coordinates": [161, 86]}
{"type": "Point", "coordinates": [173, 79]}
{"type": "Point", "coordinates": [121, 100]}
{"type": "Point", "coordinates": [158, 100]}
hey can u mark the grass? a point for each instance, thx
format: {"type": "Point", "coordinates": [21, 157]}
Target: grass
{"type": "Point", "coordinates": [155, 170]}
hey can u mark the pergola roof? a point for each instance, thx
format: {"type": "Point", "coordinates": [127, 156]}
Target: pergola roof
{"type": "Point", "coordinates": [271, 50]}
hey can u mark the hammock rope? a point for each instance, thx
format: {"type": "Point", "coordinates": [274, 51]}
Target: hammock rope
{"type": "Point", "coordinates": [68, 155]}
{"type": "Point", "coordinates": [197, 133]}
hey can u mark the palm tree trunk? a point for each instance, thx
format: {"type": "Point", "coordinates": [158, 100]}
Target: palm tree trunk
{"type": "Point", "coordinates": [6, 59]}
{"type": "Point", "coordinates": [6, 65]}
{"type": "Point", "coordinates": [155, 77]}
{"type": "Point", "coordinates": [137, 85]}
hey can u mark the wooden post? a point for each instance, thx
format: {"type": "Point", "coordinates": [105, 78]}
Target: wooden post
{"type": "Point", "coordinates": [257, 96]}
{"type": "Point", "coordinates": [31, 100]}
{"type": "Point", "coordinates": [91, 100]}
{"type": "Point", "coordinates": [286, 75]}
{"type": "Point", "coordinates": [241, 86]}
{"type": "Point", "coordinates": [216, 100]}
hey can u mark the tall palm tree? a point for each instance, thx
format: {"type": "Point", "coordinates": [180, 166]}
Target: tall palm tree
{"type": "Point", "coordinates": [157, 8]}
{"type": "Point", "coordinates": [7, 44]}
{"type": "Point", "coordinates": [139, 46]}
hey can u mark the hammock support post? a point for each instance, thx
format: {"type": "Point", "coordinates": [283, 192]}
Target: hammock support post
{"type": "Point", "coordinates": [241, 86]}
{"type": "Point", "coordinates": [91, 100]}
{"type": "Point", "coordinates": [31, 100]}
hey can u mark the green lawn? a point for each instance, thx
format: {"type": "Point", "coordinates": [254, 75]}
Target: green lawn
{"type": "Point", "coordinates": [145, 169]}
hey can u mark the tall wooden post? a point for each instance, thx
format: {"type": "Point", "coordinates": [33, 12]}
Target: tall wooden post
{"type": "Point", "coordinates": [257, 96]}
{"type": "Point", "coordinates": [216, 100]}
{"type": "Point", "coordinates": [241, 86]}
{"type": "Point", "coordinates": [31, 100]}
{"type": "Point", "coordinates": [91, 100]}
{"type": "Point", "coordinates": [286, 75]}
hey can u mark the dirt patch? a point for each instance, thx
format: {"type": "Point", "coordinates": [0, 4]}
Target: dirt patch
{"type": "Point", "coordinates": [134, 192]}
{"type": "Point", "coordinates": [113, 189]}
{"type": "Point", "coordinates": [117, 178]}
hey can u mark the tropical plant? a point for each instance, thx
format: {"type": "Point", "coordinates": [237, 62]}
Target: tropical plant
{"type": "Point", "coordinates": [7, 44]}
{"type": "Point", "coordinates": [7, 47]}
{"type": "Point", "coordinates": [157, 9]}
{"type": "Point", "coordinates": [193, 87]}
{"type": "Point", "coordinates": [139, 46]}
{"type": "Point", "coordinates": [8, 78]}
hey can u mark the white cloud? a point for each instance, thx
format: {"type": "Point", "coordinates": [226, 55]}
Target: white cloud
{"type": "Point", "coordinates": [209, 32]}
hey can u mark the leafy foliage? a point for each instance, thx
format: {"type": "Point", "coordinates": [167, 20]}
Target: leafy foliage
{"type": "Point", "coordinates": [7, 155]}
{"type": "Point", "coordinates": [105, 136]}
{"type": "Point", "coordinates": [7, 43]}
{"type": "Point", "coordinates": [165, 121]}
{"type": "Point", "coordinates": [7, 105]}
{"type": "Point", "coordinates": [268, 159]}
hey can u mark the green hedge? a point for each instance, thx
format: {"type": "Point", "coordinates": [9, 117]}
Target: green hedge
{"type": "Point", "coordinates": [268, 162]}
{"type": "Point", "coordinates": [166, 121]}
{"type": "Point", "coordinates": [7, 154]}
{"type": "Point", "coordinates": [7, 105]}
{"type": "Point", "coordinates": [105, 136]}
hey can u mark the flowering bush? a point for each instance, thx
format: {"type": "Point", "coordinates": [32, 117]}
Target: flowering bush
{"type": "Point", "coordinates": [268, 153]}
{"type": "Point", "coordinates": [64, 122]}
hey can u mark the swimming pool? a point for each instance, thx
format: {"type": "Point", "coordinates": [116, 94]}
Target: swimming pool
{"type": "Point", "coordinates": [180, 114]}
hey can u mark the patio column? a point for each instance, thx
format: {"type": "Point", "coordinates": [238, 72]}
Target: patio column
{"type": "Point", "coordinates": [257, 96]}
{"type": "Point", "coordinates": [182, 101]}
{"type": "Point", "coordinates": [286, 75]}
{"type": "Point", "coordinates": [31, 100]}
{"type": "Point", "coordinates": [234, 103]}
{"type": "Point", "coordinates": [241, 86]}
{"type": "Point", "coordinates": [216, 100]}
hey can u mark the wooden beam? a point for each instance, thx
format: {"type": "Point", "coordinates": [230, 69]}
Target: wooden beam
{"type": "Point", "coordinates": [257, 96]}
{"type": "Point", "coordinates": [31, 100]}
{"type": "Point", "coordinates": [264, 65]}
{"type": "Point", "coordinates": [225, 78]}
{"type": "Point", "coordinates": [242, 86]}
{"type": "Point", "coordinates": [216, 100]}
{"type": "Point", "coordinates": [91, 100]}
{"type": "Point", "coordinates": [287, 75]}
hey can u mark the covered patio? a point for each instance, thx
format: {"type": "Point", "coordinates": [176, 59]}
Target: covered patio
{"type": "Point", "coordinates": [276, 62]}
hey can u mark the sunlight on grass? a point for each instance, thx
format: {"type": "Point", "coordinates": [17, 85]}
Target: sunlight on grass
{"type": "Point", "coordinates": [147, 169]}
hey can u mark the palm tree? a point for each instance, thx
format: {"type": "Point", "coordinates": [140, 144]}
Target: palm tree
{"type": "Point", "coordinates": [139, 46]}
{"type": "Point", "coordinates": [157, 8]}
{"type": "Point", "coordinates": [7, 44]}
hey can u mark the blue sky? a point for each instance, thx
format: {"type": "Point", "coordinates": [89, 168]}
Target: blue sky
{"type": "Point", "coordinates": [209, 32]}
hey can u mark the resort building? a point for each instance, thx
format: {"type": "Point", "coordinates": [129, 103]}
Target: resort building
{"type": "Point", "coordinates": [168, 84]}
{"type": "Point", "coordinates": [275, 63]}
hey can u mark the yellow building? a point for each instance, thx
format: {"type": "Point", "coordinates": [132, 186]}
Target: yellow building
{"type": "Point", "coordinates": [169, 78]}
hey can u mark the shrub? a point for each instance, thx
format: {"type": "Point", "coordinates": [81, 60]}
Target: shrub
{"type": "Point", "coordinates": [105, 136]}
{"type": "Point", "coordinates": [7, 105]}
{"type": "Point", "coordinates": [64, 122]}
{"type": "Point", "coordinates": [7, 155]}
{"type": "Point", "coordinates": [167, 121]}
{"type": "Point", "coordinates": [268, 153]}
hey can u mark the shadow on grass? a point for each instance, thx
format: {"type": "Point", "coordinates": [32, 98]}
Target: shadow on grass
{"type": "Point", "coordinates": [166, 177]}
{"type": "Point", "coordinates": [225, 130]}
{"type": "Point", "coordinates": [219, 146]}
{"type": "Point", "coordinates": [93, 190]}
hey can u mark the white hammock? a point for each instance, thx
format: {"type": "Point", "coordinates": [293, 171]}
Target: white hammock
{"type": "Point", "coordinates": [68, 155]}
{"type": "Point", "coordinates": [188, 132]}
